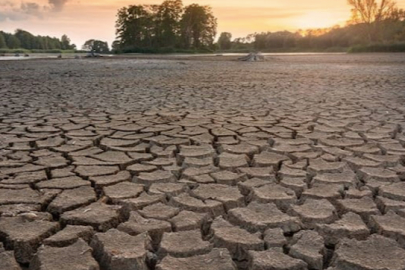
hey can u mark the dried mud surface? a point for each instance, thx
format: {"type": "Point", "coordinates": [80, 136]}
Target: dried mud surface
{"type": "Point", "coordinates": [191, 163]}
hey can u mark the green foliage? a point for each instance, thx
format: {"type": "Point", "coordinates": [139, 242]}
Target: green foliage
{"type": "Point", "coordinates": [12, 51]}
{"type": "Point", "coordinates": [2, 41]}
{"type": "Point", "coordinates": [373, 16]}
{"type": "Point", "coordinates": [224, 41]}
{"type": "Point", "coordinates": [96, 46]}
{"type": "Point", "coordinates": [164, 50]}
{"type": "Point", "coordinates": [376, 26]}
{"type": "Point", "coordinates": [167, 19]}
{"type": "Point", "coordinates": [398, 47]}
{"type": "Point", "coordinates": [326, 40]}
{"type": "Point", "coordinates": [167, 27]}
{"type": "Point", "coordinates": [280, 39]}
{"type": "Point", "coordinates": [198, 27]}
{"type": "Point", "coordinates": [65, 43]}
{"type": "Point", "coordinates": [370, 11]}
{"type": "Point", "coordinates": [13, 42]}
{"type": "Point", "coordinates": [25, 40]}
{"type": "Point", "coordinates": [134, 26]}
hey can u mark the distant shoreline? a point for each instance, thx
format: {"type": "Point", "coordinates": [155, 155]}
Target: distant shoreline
{"type": "Point", "coordinates": [270, 57]}
{"type": "Point", "coordinates": [174, 56]}
{"type": "Point", "coordinates": [375, 48]}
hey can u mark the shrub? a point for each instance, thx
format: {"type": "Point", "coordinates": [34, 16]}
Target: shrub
{"type": "Point", "coordinates": [396, 47]}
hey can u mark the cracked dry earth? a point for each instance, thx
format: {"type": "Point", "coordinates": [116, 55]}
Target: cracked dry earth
{"type": "Point", "coordinates": [122, 164]}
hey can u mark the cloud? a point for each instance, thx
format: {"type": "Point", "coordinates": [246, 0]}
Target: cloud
{"type": "Point", "coordinates": [10, 16]}
{"type": "Point", "coordinates": [28, 10]}
{"type": "Point", "coordinates": [57, 5]}
{"type": "Point", "coordinates": [10, 11]}
{"type": "Point", "coordinates": [31, 8]}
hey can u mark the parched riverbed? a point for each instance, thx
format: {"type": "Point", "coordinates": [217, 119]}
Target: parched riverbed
{"type": "Point", "coordinates": [203, 163]}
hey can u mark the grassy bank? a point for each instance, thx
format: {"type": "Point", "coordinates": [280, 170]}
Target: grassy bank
{"type": "Point", "coordinates": [13, 51]}
{"type": "Point", "coordinates": [378, 48]}
{"type": "Point", "coordinates": [287, 50]}
{"type": "Point", "coordinates": [374, 48]}
{"type": "Point", "coordinates": [240, 50]}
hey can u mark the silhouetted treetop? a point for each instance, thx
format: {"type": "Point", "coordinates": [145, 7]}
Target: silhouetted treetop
{"type": "Point", "coordinates": [166, 26]}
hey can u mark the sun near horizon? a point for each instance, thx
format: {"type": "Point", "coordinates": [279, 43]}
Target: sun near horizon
{"type": "Point", "coordinates": [86, 20]}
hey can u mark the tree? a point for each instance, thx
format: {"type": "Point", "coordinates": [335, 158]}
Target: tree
{"type": "Point", "coordinates": [96, 46]}
{"type": "Point", "coordinates": [54, 44]}
{"type": "Point", "coordinates": [26, 39]}
{"type": "Point", "coordinates": [115, 46]}
{"type": "Point", "coordinates": [149, 28]}
{"type": "Point", "coordinates": [65, 43]}
{"type": "Point", "coordinates": [198, 27]}
{"type": "Point", "coordinates": [135, 26]}
{"type": "Point", "coordinates": [2, 41]}
{"type": "Point", "coordinates": [372, 14]}
{"type": "Point", "coordinates": [224, 41]}
{"type": "Point", "coordinates": [168, 23]}
{"type": "Point", "coordinates": [13, 42]}
{"type": "Point", "coordinates": [369, 11]}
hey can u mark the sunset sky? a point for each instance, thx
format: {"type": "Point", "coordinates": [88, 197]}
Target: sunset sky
{"type": "Point", "coordinates": [82, 20]}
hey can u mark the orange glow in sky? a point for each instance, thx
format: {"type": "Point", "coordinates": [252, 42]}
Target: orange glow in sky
{"type": "Point", "coordinates": [314, 19]}
{"type": "Point", "coordinates": [82, 20]}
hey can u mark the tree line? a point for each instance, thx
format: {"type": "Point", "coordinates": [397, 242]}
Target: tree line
{"type": "Point", "coordinates": [173, 27]}
{"type": "Point", "coordinates": [379, 25]}
{"type": "Point", "coordinates": [166, 27]}
{"type": "Point", "coordinates": [25, 40]}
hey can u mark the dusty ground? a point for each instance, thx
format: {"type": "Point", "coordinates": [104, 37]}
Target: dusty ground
{"type": "Point", "coordinates": [193, 163]}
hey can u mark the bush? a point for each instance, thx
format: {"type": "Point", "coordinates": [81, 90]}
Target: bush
{"type": "Point", "coordinates": [397, 47]}
{"type": "Point", "coordinates": [336, 49]}
{"type": "Point", "coordinates": [14, 51]}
